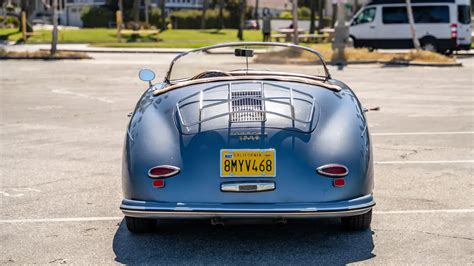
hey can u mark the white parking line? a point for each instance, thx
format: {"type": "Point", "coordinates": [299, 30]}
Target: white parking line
{"type": "Point", "coordinates": [426, 162]}
{"type": "Point", "coordinates": [118, 218]}
{"type": "Point", "coordinates": [82, 95]}
{"type": "Point", "coordinates": [423, 133]}
{"type": "Point", "coordinates": [52, 220]}
{"type": "Point", "coordinates": [426, 211]}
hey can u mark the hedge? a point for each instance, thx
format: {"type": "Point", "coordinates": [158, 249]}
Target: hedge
{"type": "Point", "coordinates": [191, 19]}
{"type": "Point", "coordinates": [95, 17]}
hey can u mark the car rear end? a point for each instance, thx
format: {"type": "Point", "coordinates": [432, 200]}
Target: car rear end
{"type": "Point", "coordinates": [251, 149]}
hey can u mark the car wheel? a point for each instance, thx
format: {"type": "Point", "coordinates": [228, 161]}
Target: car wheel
{"type": "Point", "coordinates": [358, 222]}
{"type": "Point", "coordinates": [140, 225]}
{"type": "Point", "coordinates": [429, 44]}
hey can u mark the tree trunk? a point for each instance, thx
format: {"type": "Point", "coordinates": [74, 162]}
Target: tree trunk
{"type": "Point", "coordinates": [321, 14]}
{"type": "Point", "coordinates": [256, 14]}
{"type": "Point", "coordinates": [334, 14]}
{"type": "Point", "coordinates": [54, 40]}
{"type": "Point", "coordinates": [203, 14]}
{"type": "Point", "coordinates": [295, 21]}
{"type": "Point", "coordinates": [416, 42]}
{"type": "Point", "coordinates": [312, 5]}
{"type": "Point", "coordinates": [243, 7]}
{"type": "Point", "coordinates": [136, 11]}
{"type": "Point", "coordinates": [221, 14]}
{"type": "Point", "coordinates": [28, 6]}
{"type": "Point", "coordinates": [147, 20]}
{"type": "Point", "coordinates": [163, 15]}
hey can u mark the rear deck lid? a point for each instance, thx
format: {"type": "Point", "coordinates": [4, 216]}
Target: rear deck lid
{"type": "Point", "coordinates": [247, 104]}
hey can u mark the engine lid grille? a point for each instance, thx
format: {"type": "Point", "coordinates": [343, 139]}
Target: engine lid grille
{"type": "Point", "coordinates": [247, 106]}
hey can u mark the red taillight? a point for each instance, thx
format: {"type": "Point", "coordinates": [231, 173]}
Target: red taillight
{"type": "Point", "coordinates": [159, 183]}
{"type": "Point", "coordinates": [339, 182]}
{"type": "Point", "coordinates": [333, 170]}
{"type": "Point", "coordinates": [454, 31]}
{"type": "Point", "coordinates": [163, 171]}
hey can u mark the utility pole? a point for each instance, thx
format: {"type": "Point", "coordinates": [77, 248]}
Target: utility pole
{"type": "Point", "coordinates": [54, 40]}
{"type": "Point", "coordinates": [341, 34]}
{"type": "Point", "coordinates": [295, 21]}
{"type": "Point", "coordinates": [416, 42]}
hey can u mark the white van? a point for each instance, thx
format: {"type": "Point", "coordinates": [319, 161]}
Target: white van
{"type": "Point", "coordinates": [441, 25]}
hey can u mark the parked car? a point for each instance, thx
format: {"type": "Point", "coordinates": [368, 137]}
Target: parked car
{"type": "Point", "coordinates": [251, 25]}
{"type": "Point", "coordinates": [441, 25]}
{"type": "Point", "coordinates": [247, 130]}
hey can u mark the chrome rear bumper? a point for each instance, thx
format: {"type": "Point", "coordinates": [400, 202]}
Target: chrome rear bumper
{"type": "Point", "coordinates": [143, 209]}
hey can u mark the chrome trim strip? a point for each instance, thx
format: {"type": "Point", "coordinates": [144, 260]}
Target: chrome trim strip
{"type": "Point", "coordinates": [320, 170]}
{"type": "Point", "coordinates": [210, 214]}
{"type": "Point", "coordinates": [247, 186]}
{"type": "Point", "coordinates": [175, 169]}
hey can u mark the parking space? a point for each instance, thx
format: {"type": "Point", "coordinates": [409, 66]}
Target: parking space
{"type": "Point", "coordinates": [62, 126]}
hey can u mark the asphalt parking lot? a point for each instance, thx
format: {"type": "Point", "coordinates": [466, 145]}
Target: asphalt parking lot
{"type": "Point", "coordinates": [62, 125]}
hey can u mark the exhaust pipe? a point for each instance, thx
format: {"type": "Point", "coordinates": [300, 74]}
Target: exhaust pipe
{"type": "Point", "coordinates": [281, 222]}
{"type": "Point", "coordinates": [218, 222]}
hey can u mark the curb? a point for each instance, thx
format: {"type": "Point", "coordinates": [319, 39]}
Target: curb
{"type": "Point", "coordinates": [121, 51]}
{"type": "Point", "coordinates": [45, 58]}
{"type": "Point", "coordinates": [407, 63]}
{"type": "Point", "coordinates": [399, 63]}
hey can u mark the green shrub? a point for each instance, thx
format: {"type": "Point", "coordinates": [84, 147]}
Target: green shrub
{"type": "Point", "coordinates": [155, 17]}
{"type": "Point", "coordinates": [95, 17]}
{"type": "Point", "coordinates": [191, 19]}
{"type": "Point", "coordinates": [285, 15]}
{"type": "Point", "coordinates": [304, 13]}
{"type": "Point", "coordinates": [10, 21]}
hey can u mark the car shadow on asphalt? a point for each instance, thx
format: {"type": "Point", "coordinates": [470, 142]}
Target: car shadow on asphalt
{"type": "Point", "coordinates": [321, 241]}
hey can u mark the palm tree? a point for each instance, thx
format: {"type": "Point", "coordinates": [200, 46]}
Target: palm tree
{"type": "Point", "coordinates": [243, 7]}
{"type": "Point", "coordinates": [163, 16]}
{"type": "Point", "coordinates": [136, 11]}
{"type": "Point", "coordinates": [54, 39]}
{"type": "Point", "coordinates": [312, 6]}
{"type": "Point", "coordinates": [203, 15]}
{"type": "Point", "coordinates": [320, 14]}
{"type": "Point", "coordinates": [256, 14]}
{"type": "Point", "coordinates": [221, 14]}
{"type": "Point", "coordinates": [416, 42]}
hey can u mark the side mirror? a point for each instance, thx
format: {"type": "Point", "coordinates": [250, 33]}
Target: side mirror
{"type": "Point", "coordinates": [146, 75]}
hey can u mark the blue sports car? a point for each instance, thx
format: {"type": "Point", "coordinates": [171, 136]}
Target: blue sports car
{"type": "Point", "coordinates": [247, 130]}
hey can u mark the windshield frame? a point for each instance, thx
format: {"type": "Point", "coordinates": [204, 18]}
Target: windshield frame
{"type": "Point", "coordinates": [234, 44]}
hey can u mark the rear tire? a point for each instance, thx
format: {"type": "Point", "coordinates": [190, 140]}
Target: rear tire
{"type": "Point", "coordinates": [140, 225]}
{"type": "Point", "coordinates": [429, 44]}
{"type": "Point", "coordinates": [358, 222]}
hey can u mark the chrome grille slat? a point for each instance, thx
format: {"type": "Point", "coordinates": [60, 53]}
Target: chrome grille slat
{"type": "Point", "coordinates": [246, 106]}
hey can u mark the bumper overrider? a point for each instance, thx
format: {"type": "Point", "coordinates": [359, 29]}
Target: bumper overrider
{"type": "Point", "coordinates": [148, 209]}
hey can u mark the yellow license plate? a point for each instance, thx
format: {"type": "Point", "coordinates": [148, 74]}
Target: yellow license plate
{"type": "Point", "coordinates": [248, 163]}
